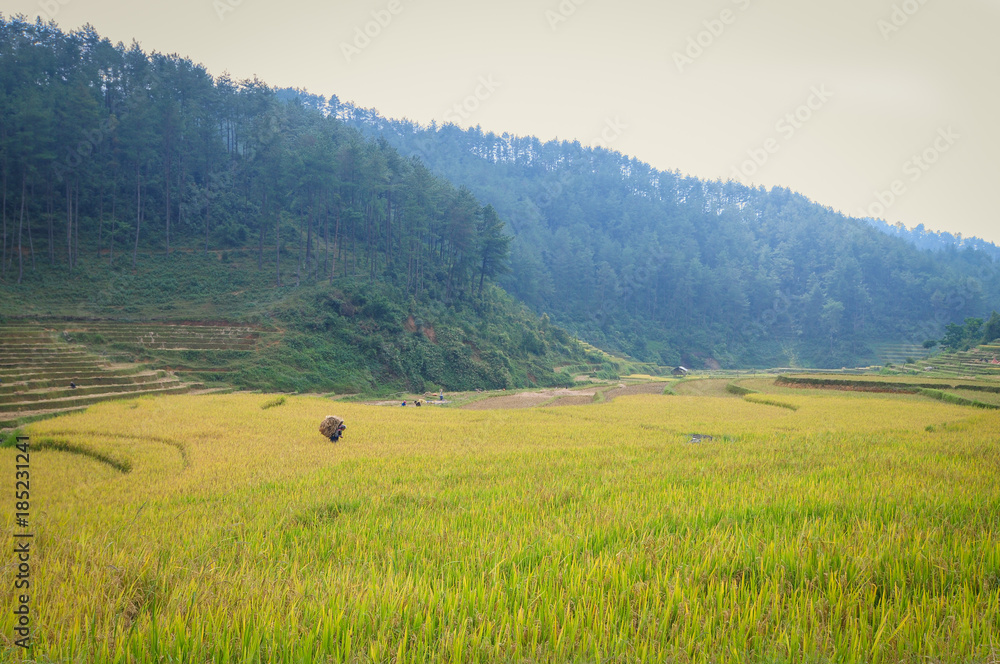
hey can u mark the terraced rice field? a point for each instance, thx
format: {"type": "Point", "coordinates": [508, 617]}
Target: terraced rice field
{"type": "Point", "coordinates": [702, 387]}
{"type": "Point", "coordinates": [39, 363]}
{"type": "Point", "coordinates": [899, 353]}
{"type": "Point", "coordinates": [985, 397]}
{"type": "Point", "coordinates": [819, 527]}
{"type": "Point", "coordinates": [172, 337]}
{"type": "Point", "coordinates": [975, 363]}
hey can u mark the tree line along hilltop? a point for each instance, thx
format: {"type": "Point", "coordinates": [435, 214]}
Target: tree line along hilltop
{"type": "Point", "coordinates": [675, 269]}
{"type": "Point", "coordinates": [135, 184]}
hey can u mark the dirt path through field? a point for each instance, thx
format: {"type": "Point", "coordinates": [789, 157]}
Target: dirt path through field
{"type": "Point", "coordinates": [563, 397]}
{"type": "Point", "coordinates": [530, 399]}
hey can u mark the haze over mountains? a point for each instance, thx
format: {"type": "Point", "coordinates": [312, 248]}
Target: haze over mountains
{"type": "Point", "coordinates": [675, 269]}
{"type": "Point", "coordinates": [139, 159]}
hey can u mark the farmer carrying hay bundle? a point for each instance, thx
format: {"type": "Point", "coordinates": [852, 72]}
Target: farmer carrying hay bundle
{"type": "Point", "coordinates": [332, 427]}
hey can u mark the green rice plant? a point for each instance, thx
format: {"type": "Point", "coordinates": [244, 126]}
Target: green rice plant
{"type": "Point", "coordinates": [278, 401]}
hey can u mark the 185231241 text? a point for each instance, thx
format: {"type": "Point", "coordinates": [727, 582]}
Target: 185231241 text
{"type": "Point", "coordinates": [22, 544]}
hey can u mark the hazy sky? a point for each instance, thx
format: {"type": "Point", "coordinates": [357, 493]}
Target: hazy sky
{"type": "Point", "coordinates": [842, 101]}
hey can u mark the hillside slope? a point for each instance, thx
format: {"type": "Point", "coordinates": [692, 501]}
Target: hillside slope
{"type": "Point", "coordinates": [348, 337]}
{"type": "Point", "coordinates": [137, 188]}
{"type": "Point", "coordinates": [679, 270]}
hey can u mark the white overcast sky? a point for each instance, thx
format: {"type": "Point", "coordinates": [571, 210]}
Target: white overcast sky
{"type": "Point", "coordinates": [888, 80]}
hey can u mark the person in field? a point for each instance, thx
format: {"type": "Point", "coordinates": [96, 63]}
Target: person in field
{"type": "Point", "coordinates": [332, 427]}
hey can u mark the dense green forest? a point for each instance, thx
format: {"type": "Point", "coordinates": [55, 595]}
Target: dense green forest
{"type": "Point", "coordinates": [136, 185]}
{"type": "Point", "coordinates": [679, 270]}
{"type": "Point", "coordinates": [118, 166]}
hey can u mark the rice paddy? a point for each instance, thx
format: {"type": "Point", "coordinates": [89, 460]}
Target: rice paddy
{"type": "Point", "coordinates": [829, 527]}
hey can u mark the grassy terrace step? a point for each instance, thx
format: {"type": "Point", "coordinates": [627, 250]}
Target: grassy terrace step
{"type": "Point", "coordinates": [978, 368]}
{"type": "Point", "coordinates": [182, 339]}
{"type": "Point", "coordinates": [32, 345]}
{"type": "Point", "coordinates": [61, 350]}
{"type": "Point", "coordinates": [48, 350]}
{"type": "Point", "coordinates": [164, 331]}
{"type": "Point", "coordinates": [38, 361]}
{"type": "Point", "coordinates": [176, 335]}
{"type": "Point", "coordinates": [38, 333]}
{"type": "Point", "coordinates": [54, 365]}
{"type": "Point", "coordinates": [180, 334]}
{"type": "Point", "coordinates": [71, 402]}
{"type": "Point", "coordinates": [968, 368]}
{"type": "Point", "coordinates": [60, 347]}
{"type": "Point", "coordinates": [83, 381]}
{"type": "Point", "coordinates": [178, 341]}
{"type": "Point", "coordinates": [50, 396]}
{"type": "Point", "coordinates": [153, 325]}
{"type": "Point", "coordinates": [152, 350]}
{"type": "Point", "coordinates": [35, 385]}
{"type": "Point", "coordinates": [191, 346]}
{"type": "Point", "coordinates": [40, 374]}
{"type": "Point", "coordinates": [22, 418]}
{"type": "Point", "coordinates": [220, 345]}
{"type": "Point", "coordinates": [33, 358]}
{"type": "Point", "coordinates": [47, 356]}
{"type": "Point", "coordinates": [888, 383]}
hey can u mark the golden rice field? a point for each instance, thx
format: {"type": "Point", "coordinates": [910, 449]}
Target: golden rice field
{"type": "Point", "coordinates": [208, 529]}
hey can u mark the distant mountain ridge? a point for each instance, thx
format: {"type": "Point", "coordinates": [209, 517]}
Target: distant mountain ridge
{"type": "Point", "coordinates": [919, 236]}
{"type": "Point", "coordinates": [923, 238]}
{"type": "Point", "coordinates": [139, 185]}
{"type": "Point", "coordinates": [675, 269]}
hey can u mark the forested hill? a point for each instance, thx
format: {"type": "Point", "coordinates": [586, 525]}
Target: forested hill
{"type": "Point", "coordinates": [676, 269]}
{"type": "Point", "coordinates": [924, 238]}
{"type": "Point", "coordinates": [118, 167]}
{"type": "Point", "coordinates": [137, 186]}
